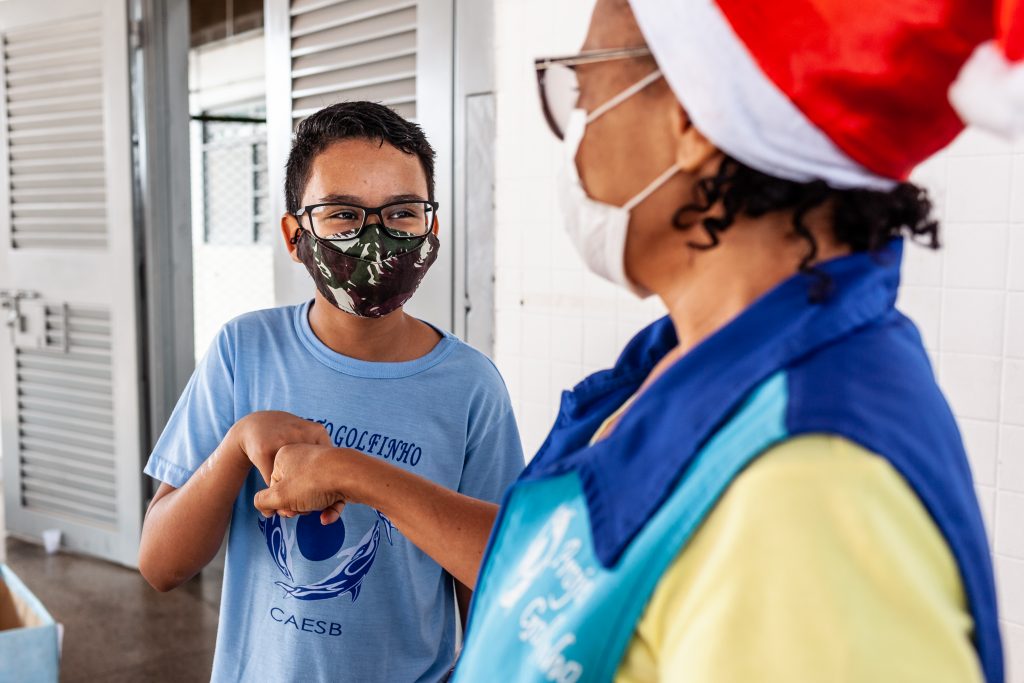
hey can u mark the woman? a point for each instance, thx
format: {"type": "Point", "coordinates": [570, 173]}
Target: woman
{"type": "Point", "coordinates": [769, 484]}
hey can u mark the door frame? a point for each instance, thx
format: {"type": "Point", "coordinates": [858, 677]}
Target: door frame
{"type": "Point", "coordinates": [159, 43]}
{"type": "Point", "coordinates": [473, 122]}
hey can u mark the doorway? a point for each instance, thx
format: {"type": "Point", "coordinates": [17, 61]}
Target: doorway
{"type": "Point", "coordinates": [233, 232]}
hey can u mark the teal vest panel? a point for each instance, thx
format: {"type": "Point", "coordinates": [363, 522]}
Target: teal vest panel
{"type": "Point", "coordinates": [574, 618]}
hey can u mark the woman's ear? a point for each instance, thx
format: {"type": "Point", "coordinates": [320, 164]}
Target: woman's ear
{"type": "Point", "coordinates": [290, 230]}
{"type": "Point", "coordinates": [693, 150]}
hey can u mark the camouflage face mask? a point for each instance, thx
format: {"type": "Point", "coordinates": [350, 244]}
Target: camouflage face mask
{"type": "Point", "coordinates": [371, 275]}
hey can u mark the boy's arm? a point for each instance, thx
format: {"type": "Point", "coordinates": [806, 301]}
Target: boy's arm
{"type": "Point", "coordinates": [449, 527]}
{"type": "Point", "coordinates": [184, 527]}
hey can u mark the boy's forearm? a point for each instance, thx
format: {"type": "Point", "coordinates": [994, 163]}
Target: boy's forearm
{"type": "Point", "coordinates": [449, 527]}
{"type": "Point", "coordinates": [184, 528]}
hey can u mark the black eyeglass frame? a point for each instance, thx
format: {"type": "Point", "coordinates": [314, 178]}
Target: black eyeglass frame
{"type": "Point", "coordinates": [367, 212]}
{"type": "Point", "coordinates": [542, 64]}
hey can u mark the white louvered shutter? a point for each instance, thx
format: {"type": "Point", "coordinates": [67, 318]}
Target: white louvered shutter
{"type": "Point", "coordinates": [353, 50]}
{"type": "Point", "coordinates": [395, 52]}
{"type": "Point", "coordinates": [54, 114]}
{"type": "Point", "coordinates": [69, 357]}
{"type": "Point", "coordinates": [66, 417]}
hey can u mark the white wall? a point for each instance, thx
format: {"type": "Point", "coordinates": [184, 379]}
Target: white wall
{"type": "Point", "coordinates": [227, 71]}
{"type": "Point", "coordinates": [968, 300]}
{"type": "Point", "coordinates": [556, 323]}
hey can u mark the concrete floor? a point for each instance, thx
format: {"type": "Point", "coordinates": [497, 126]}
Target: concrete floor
{"type": "Point", "coordinates": [116, 627]}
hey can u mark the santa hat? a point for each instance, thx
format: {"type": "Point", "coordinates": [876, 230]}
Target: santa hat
{"type": "Point", "coordinates": [853, 92]}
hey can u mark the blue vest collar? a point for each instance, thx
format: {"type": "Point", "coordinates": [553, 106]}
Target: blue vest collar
{"type": "Point", "coordinates": [627, 476]}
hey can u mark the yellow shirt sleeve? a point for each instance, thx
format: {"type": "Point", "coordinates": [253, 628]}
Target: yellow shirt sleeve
{"type": "Point", "coordinates": [818, 564]}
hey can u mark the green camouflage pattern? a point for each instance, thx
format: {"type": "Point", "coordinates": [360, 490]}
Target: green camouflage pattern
{"type": "Point", "coordinates": [371, 275]}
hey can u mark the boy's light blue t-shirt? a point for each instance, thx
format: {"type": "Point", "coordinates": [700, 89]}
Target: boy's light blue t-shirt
{"type": "Point", "coordinates": [353, 601]}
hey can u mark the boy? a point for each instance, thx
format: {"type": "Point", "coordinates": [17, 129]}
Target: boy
{"type": "Point", "coordinates": [304, 598]}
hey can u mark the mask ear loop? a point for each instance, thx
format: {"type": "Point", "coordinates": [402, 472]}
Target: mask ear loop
{"type": "Point", "coordinates": [651, 188]}
{"type": "Point", "coordinates": [624, 95]}
{"type": "Point", "coordinates": [615, 101]}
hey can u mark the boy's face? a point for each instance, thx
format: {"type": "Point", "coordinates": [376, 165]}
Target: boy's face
{"type": "Point", "coordinates": [362, 172]}
{"type": "Point", "coordinates": [372, 272]}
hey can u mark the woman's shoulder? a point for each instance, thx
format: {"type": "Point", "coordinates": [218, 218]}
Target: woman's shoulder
{"type": "Point", "coordinates": [810, 543]}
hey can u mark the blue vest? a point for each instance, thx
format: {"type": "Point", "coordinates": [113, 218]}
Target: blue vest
{"type": "Point", "coordinates": [585, 535]}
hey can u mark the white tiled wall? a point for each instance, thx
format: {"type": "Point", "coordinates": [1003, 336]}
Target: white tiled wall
{"type": "Point", "coordinates": [556, 323]}
{"type": "Point", "coordinates": [968, 300]}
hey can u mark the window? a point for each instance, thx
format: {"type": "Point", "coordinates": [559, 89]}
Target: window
{"type": "Point", "coordinates": [234, 171]}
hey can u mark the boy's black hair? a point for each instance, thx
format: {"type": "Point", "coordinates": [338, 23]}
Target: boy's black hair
{"type": "Point", "coordinates": [344, 121]}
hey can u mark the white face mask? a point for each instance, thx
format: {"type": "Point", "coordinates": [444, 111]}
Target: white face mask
{"type": "Point", "coordinates": [598, 230]}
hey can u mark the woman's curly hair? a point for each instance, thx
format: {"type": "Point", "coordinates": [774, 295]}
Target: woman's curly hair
{"type": "Point", "coordinates": [865, 220]}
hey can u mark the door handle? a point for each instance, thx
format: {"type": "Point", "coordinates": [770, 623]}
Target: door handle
{"type": "Point", "coordinates": [9, 296]}
{"type": "Point", "coordinates": [9, 299]}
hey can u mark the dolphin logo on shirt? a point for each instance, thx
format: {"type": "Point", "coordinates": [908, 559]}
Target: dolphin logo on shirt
{"type": "Point", "coordinates": [354, 562]}
{"type": "Point", "coordinates": [278, 541]}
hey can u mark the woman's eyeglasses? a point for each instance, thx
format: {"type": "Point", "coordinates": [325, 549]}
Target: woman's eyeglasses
{"type": "Point", "coordinates": [559, 86]}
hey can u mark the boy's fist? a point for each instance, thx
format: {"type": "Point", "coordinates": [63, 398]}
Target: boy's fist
{"type": "Point", "coordinates": [261, 435]}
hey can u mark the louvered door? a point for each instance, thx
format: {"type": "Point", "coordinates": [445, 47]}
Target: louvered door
{"type": "Point", "coordinates": [395, 52]}
{"type": "Point", "coordinates": [69, 357]}
{"type": "Point", "coordinates": [54, 115]}
{"type": "Point", "coordinates": [353, 50]}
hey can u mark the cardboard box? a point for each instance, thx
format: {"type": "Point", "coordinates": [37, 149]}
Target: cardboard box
{"type": "Point", "coordinates": [29, 641]}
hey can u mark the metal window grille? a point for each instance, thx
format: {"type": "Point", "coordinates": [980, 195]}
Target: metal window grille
{"type": "Point", "coordinates": [234, 188]}
{"type": "Point", "coordinates": [233, 232]}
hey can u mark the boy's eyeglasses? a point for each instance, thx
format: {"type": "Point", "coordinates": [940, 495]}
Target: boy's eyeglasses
{"type": "Point", "coordinates": [559, 87]}
{"type": "Point", "coordinates": [401, 220]}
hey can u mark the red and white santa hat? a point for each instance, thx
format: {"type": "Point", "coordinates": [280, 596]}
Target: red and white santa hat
{"type": "Point", "coordinates": [853, 92]}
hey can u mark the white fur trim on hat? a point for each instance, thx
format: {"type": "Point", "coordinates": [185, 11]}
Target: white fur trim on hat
{"type": "Point", "coordinates": [989, 92]}
{"type": "Point", "coordinates": [732, 102]}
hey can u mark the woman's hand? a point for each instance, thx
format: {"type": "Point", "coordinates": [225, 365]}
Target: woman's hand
{"type": "Point", "coordinates": [307, 478]}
